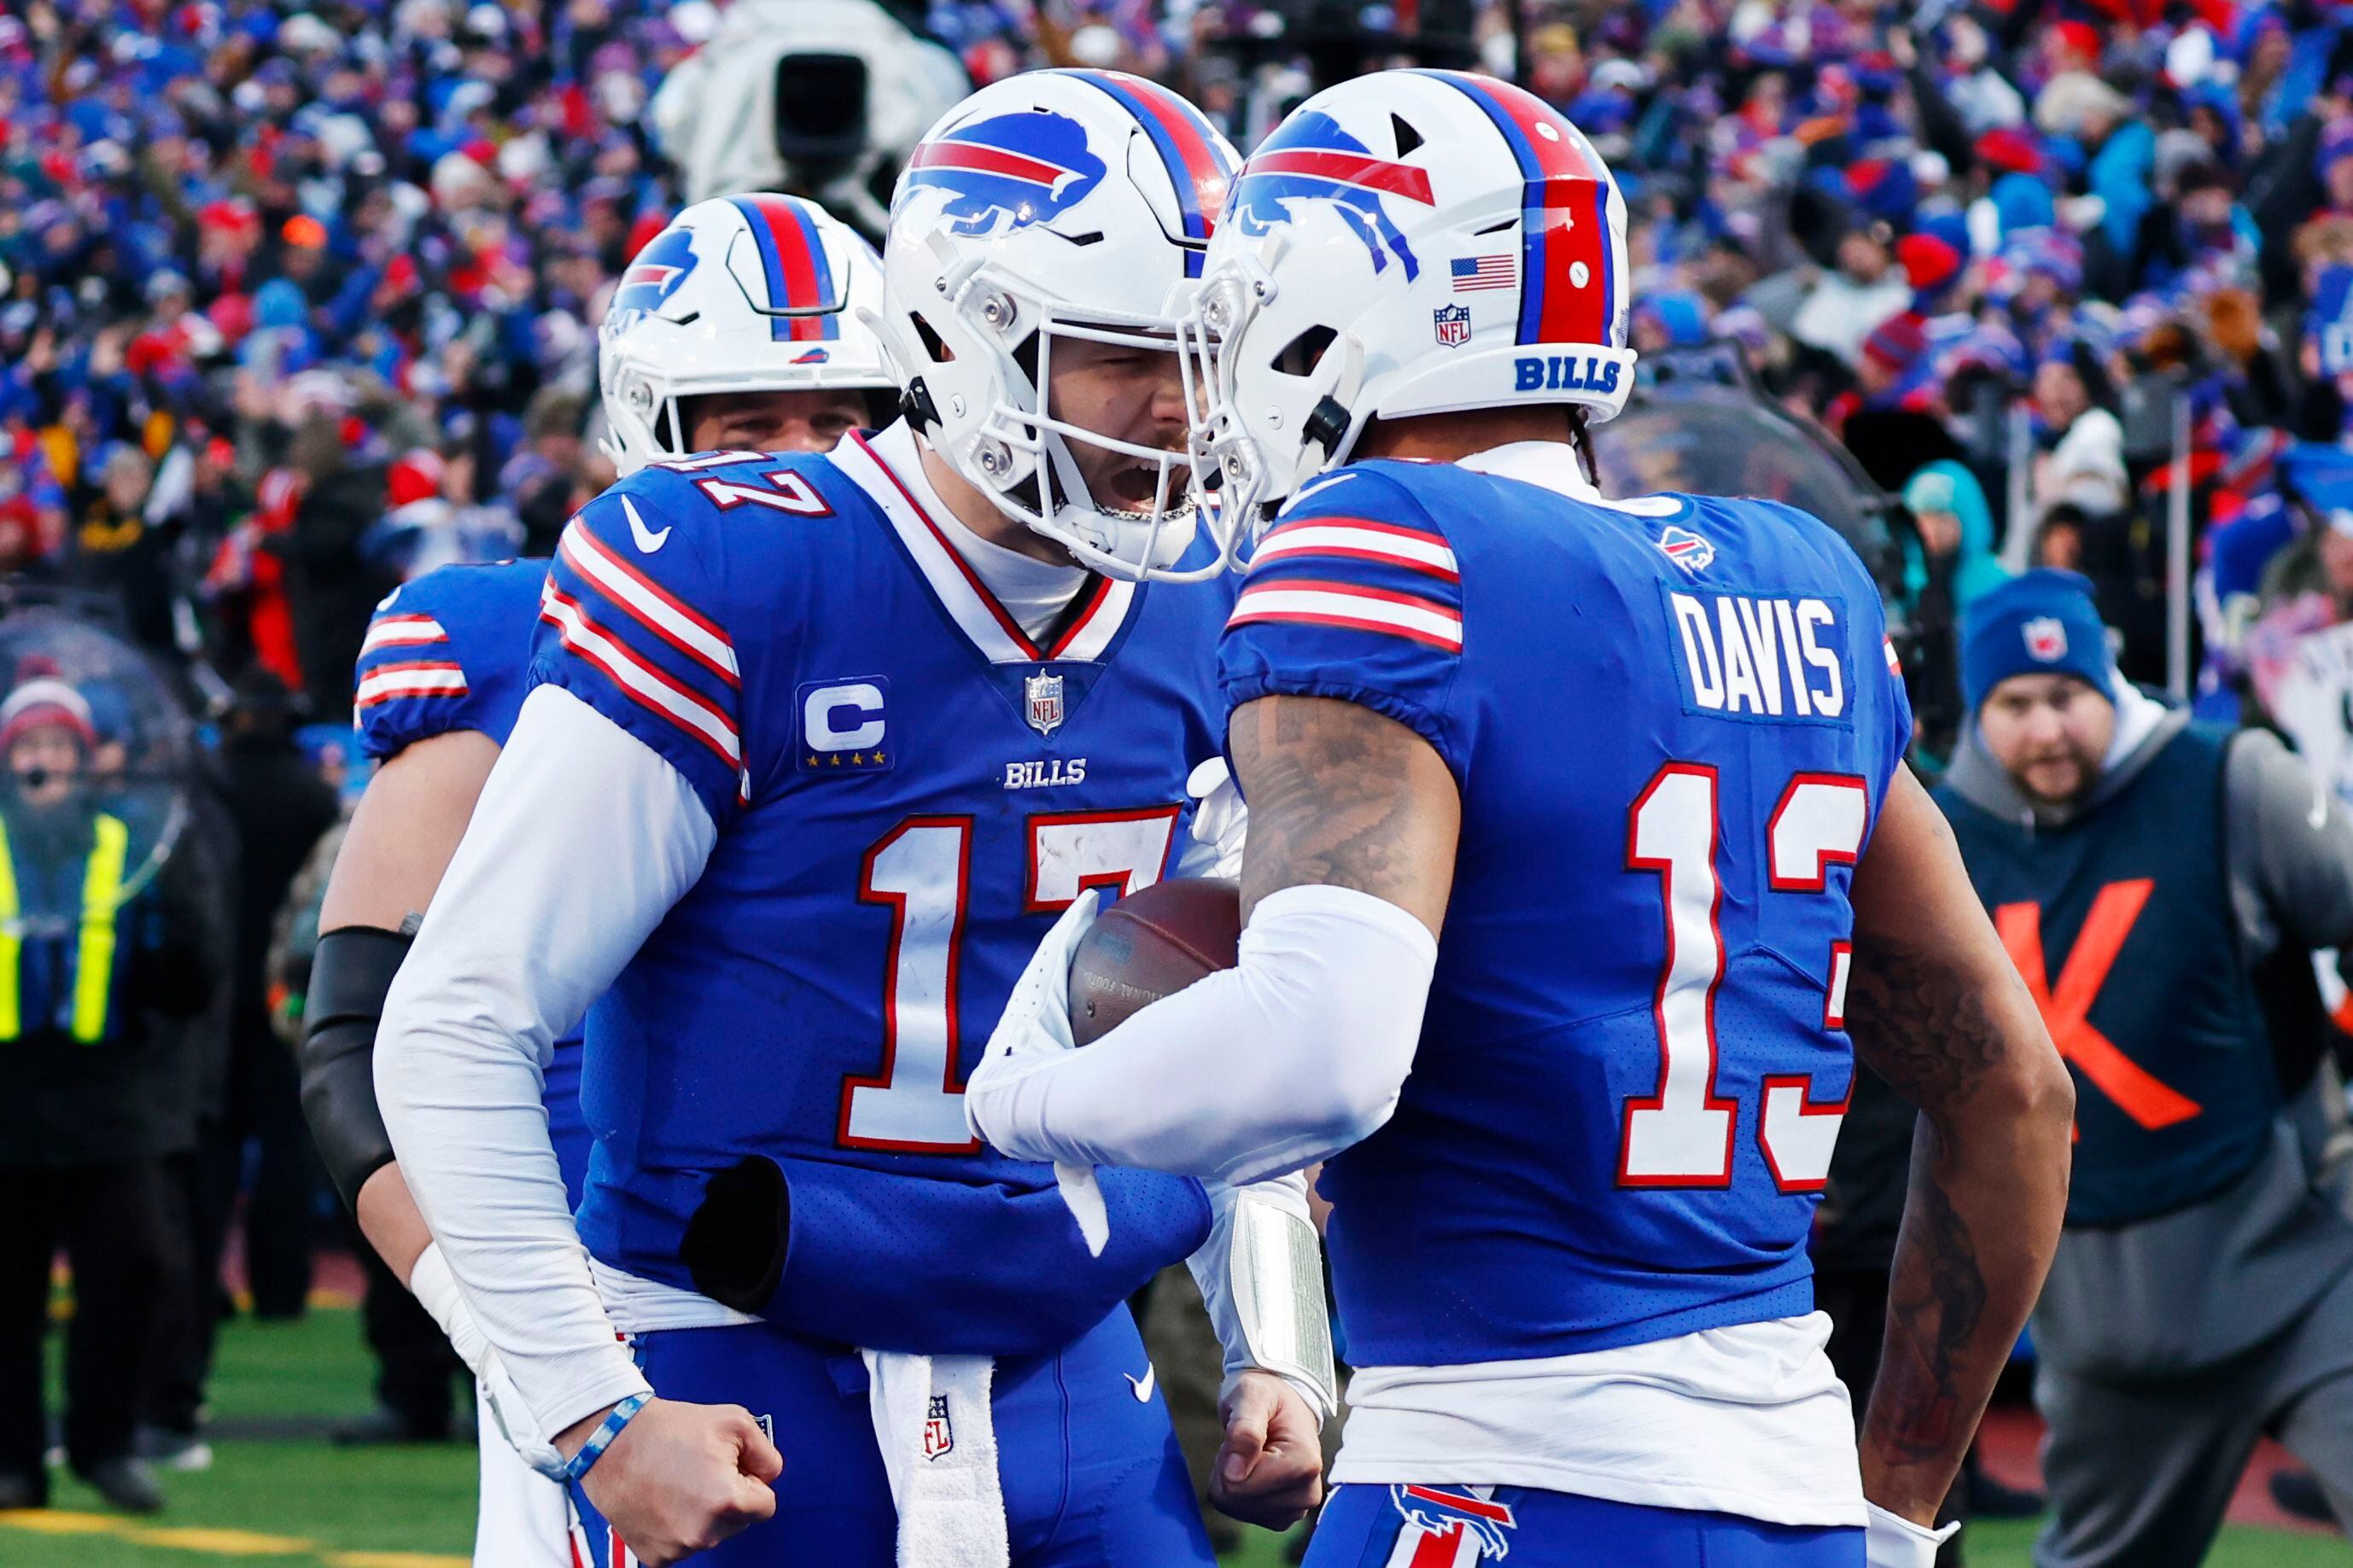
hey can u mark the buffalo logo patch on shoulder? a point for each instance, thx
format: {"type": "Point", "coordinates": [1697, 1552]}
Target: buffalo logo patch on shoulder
{"type": "Point", "coordinates": [2046, 639]}
{"type": "Point", "coordinates": [1687, 550]}
{"type": "Point", "coordinates": [1452, 326]}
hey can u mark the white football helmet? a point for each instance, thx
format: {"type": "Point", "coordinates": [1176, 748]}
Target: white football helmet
{"type": "Point", "coordinates": [1410, 242]}
{"type": "Point", "coordinates": [1057, 204]}
{"type": "Point", "coordinates": [751, 293]}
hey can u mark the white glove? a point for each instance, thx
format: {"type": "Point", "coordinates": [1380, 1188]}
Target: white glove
{"type": "Point", "coordinates": [1034, 1029]}
{"type": "Point", "coordinates": [1219, 825]}
{"type": "Point", "coordinates": [1891, 1540]}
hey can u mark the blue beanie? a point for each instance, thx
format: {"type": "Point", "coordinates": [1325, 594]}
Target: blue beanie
{"type": "Point", "coordinates": [2040, 623]}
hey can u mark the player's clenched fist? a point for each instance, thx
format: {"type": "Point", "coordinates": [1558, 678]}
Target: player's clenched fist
{"type": "Point", "coordinates": [1269, 1469]}
{"type": "Point", "coordinates": [680, 1478]}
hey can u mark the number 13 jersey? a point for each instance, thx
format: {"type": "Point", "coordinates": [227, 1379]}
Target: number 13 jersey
{"type": "Point", "coordinates": [1673, 721]}
{"type": "Point", "coordinates": [907, 789]}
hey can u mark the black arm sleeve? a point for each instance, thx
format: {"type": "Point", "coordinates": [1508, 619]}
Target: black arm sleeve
{"type": "Point", "coordinates": [349, 977]}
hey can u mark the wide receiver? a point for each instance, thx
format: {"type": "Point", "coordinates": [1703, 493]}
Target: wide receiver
{"type": "Point", "coordinates": [693, 358]}
{"type": "Point", "coordinates": [820, 748]}
{"type": "Point", "coordinates": [1590, 818]}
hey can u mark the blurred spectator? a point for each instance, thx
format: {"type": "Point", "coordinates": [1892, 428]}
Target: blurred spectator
{"type": "Point", "coordinates": [94, 969]}
{"type": "Point", "coordinates": [279, 807]}
{"type": "Point", "coordinates": [2162, 886]}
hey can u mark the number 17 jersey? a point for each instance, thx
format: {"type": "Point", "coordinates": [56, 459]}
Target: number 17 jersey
{"type": "Point", "coordinates": [1673, 722]}
{"type": "Point", "coordinates": [907, 790]}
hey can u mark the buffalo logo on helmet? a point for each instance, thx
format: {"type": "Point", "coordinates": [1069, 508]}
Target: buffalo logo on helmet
{"type": "Point", "coordinates": [659, 272]}
{"type": "Point", "coordinates": [1450, 325]}
{"type": "Point", "coordinates": [2046, 639]}
{"type": "Point", "coordinates": [1006, 171]}
{"type": "Point", "coordinates": [1435, 1516]}
{"type": "Point", "coordinates": [1311, 159]}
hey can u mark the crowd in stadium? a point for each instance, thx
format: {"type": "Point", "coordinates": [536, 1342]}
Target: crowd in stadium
{"type": "Point", "coordinates": [298, 304]}
{"type": "Point", "coordinates": [301, 302]}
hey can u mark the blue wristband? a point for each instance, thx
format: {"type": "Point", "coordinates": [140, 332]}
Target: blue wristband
{"type": "Point", "coordinates": [602, 1438]}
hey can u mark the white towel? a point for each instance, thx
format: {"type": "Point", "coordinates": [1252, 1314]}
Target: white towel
{"type": "Point", "coordinates": [938, 1436]}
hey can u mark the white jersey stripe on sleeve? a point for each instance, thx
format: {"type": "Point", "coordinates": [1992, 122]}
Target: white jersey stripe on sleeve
{"type": "Point", "coordinates": [1356, 541]}
{"type": "Point", "coordinates": [649, 605]}
{"type": "Point", "coordinates": [639, 681]}
{"type": "Point", "coordinates": [401, 631]}
{"type": "Point", "coordinates": [417, 678]}
{"type": "Point", "coordinates": [1343, 605]}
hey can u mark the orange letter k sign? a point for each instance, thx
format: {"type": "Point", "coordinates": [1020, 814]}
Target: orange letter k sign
{"type": "Point", "coordinates": [2122, 1079]}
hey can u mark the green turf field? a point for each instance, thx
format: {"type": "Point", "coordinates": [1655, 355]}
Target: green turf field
{"type": "Point", "coordinates": [280, 1496]}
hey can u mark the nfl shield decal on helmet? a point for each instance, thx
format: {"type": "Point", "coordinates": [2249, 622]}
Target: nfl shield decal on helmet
{"type": "Point", "coordinates": [2046, 639]}
{"type": "Point", "coordinates": [1044, 705]}
{"type": "Point", "coordinates": [1687, 550]}
{"type": "Point", "coordinates": [1451, 324]}
{"type": "Point", "coordinates": [1447, 1527]}
{"type": "Point", "coordinates": [939, 1438]}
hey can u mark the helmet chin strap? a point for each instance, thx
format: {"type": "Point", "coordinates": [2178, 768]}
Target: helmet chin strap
{"type": "Point", "coordinates": [1332, 415]}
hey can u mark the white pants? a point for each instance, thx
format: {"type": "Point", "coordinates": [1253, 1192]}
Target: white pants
{"type": "Point", "coordinates": [524, 1519]}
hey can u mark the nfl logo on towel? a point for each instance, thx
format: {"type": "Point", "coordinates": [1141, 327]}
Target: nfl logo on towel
{"type": "Point", "coordinates": [2046, 639]}
{"type": "Point", "coordinates": [939, 1438]}
{"type": "Point", "coordinates": [1452, 325]}
{"type": "Point", "coordinates": [1045, 704]}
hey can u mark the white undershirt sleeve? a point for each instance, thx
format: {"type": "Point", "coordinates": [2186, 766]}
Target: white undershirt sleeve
{"type": "Point", "coordinates": [1255, 1071]}
{"type": "Point", "coordinates": [581, 842]}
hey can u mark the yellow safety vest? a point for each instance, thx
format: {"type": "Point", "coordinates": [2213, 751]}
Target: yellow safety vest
{"type": "Point", "coordinates": [102, 891]}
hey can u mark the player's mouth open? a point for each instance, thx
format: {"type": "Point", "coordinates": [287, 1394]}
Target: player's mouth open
{"type": "Point", "coordinates": [1135, 487]}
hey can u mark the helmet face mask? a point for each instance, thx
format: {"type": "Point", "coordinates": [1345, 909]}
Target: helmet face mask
{"type": "Point", "coordinates": [740, 294]}
{"type": "Point", "coordinates": [1410, 243]}
{"type": "Point", "coordinates": [1057, 209]}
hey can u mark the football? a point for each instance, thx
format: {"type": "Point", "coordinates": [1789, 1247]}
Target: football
{"type": "Point", "coordinates": [1150, 944]}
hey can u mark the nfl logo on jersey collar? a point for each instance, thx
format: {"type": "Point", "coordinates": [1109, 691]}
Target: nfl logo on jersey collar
{"type": "Point", "coordinates": [1042, 702]}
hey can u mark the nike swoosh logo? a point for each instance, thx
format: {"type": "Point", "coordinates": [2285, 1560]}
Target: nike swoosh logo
{"type": "Point", "coordinates": [647, 540]}
{"type": "Point", "coordinates": [1143, 1390]}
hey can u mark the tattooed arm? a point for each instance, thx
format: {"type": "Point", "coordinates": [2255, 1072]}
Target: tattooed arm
{"type": "Point", "coordinates": [1343, 797]}
{"type": "Point", "coordinates": [1301, 1049]}
{"type": "Point", "coordinates": [1935, 1006]}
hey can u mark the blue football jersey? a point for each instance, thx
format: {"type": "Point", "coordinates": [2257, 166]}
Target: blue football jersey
{"type": "Point", "coordinates": [451, 651]}
{"type": "Point", "coordinates": [907, 789]}
{"type": "Point", "coordinates": [1673, 722]}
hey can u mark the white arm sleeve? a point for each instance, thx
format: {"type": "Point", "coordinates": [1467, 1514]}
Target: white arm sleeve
{"type": "Point", "coordinates": [558, 881]}
{"type": "Point", "coordinates": [1255, 1071]}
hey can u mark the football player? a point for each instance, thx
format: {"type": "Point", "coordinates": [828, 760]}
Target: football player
{"type": "Point", "coordinates": [820, 748]}
{"type": "Point", "coordinates": [1581, 858]}
{"type": "Point", "coordinates": [693, 358]}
